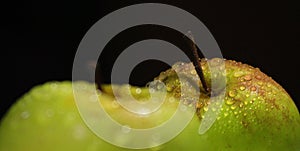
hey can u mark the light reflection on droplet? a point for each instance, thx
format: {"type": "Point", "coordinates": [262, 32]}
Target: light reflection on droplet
{"type": "Point", "coordinates": [115, 104]}
{"type": "Point", "coordinates": [242, 88]}
{"type": "Point", "coordinates": [183, 108]}
{"type": "Point", "coordinates": [171, 99]}
{"type": "Point", "coordinates": [138, 90]}
{"type": "Point", "coordinates": [25, 115]}
{"type": "Point", "coordinates": [125, 129]}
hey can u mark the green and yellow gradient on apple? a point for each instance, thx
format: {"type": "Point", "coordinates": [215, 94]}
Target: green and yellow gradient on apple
{"type": "Point", "coordinates": [257, 114]}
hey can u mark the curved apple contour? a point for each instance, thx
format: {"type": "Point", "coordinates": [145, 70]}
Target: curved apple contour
{"type": "Point", "coordinates": [257, 114]}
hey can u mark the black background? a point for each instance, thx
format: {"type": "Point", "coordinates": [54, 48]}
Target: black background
{"type": "Point", "coordinates": [41, 38]}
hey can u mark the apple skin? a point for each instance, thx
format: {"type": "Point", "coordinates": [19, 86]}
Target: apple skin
{"type": "Point", "coordinates": [261, 118]}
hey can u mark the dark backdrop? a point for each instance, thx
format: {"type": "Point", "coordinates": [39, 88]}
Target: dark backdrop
{"type": "Point", "coordinates": [42, 38]}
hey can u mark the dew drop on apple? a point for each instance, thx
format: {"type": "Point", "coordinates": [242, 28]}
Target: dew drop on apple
{"type": "Point", "coordinates": [171, 99]}
{"type": "Point", "coordinates": [238, 74]}
{"type": "Point", "coordinates": [242, 88]}
{"type": "Point", "coordinates": [205, 108]}
{"type": "Point", "coordinates": [193, 72]}
{"type": "Point", "coordinates": [138, 90]}
{"type": "Point", "coordinates": [115, 104]}
{"type": "Point", "coordinates": [247, 77]}
{"type": "Point", "coordinates": [229, 102]}
{"type": "Point", "coordinates": [25, 115]}
{"type": "Point", "coordinates": [258, 77]}
{"type": "Point", "coordinates": [151, 90]}
{"type": "Point", "coordinates": [183, 108]}
{"type": "Point", "coordinates": [125, 129]}
{"type": "Point", "coordinates": [253, 88]}
{"type": "Point", "coordinates": [79, 132]}
{"type": "Point", "coordinates": [241, 105]}
{"type": "Point", "coordinates": [232, 93]}
{"type": "Point", "coordinates": [233, 107]}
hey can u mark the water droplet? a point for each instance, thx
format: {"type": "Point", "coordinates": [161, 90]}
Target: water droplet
{"type": "Point", "coordinates": [272, 107]}
{"type": "Point", "coordinates": [171, 99]}
{"type": "Point", "coordinates": [125, 129]}
{"type": "Point", "coordinates": [225, 114]}
{"type": "Point", "coordinates": [253, 88]}
{"type": "Point", "coordinates": [205, 108]}
{"type": "Point", "coordinates": [238, 74]}
{"type": "Point", "coordinates": [25, 115]}
{"type": "Point", "coordinates": [268, 85]}
{"type": "Point", "coordinates": [241, 105]}
{"type": "Point", "coordinates": [258, 77]}
{"type": "Point", "coordinates": [235, 112]}
{"type": "Point", "coordinates": [79, 132]}
{"type": "Point", "coordinates": [229, 102]}
{"type": "Point", "coordinates": [231, 93]}
{"type": "Point", "coordinates": [151, 90]}
{"type": "Point", "coordinates": [183, 107]}
{"type": "Point", "coordinates": [245, 114]}
{"type": "Point", "coordinates": [138, 90]}
{"type": "Point", "coordinates": [233, 107]}
{"type": "Point", "coordinates": [193, 72]}
{"type": "Point", "coordinates": [115, 104]}
{"type": "Point", "coordinates": [247, 77]}
{"type": "Point", "coordinates": [247, 95]}
{"type": "Point", "coordinates": [267, 109]}
{"type": "Point", "coordinates": [159, 86]}
{"type": "Point", "coordinates": [242, 88]}
{"type": "Point", "coordinates": [169, 88]}
{"type": "Point", "coordinates": [251, 101]}
{"type": "Point", "coordinates": [258, 97]}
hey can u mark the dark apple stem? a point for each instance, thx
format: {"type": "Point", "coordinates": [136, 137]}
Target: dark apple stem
{"type": "Point", "coordinates": [196, 62]}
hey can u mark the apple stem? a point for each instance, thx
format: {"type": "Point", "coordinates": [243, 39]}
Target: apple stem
{"type": "Point", "coordinates": [196, 61]}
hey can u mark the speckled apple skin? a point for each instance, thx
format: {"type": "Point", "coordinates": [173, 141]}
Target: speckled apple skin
{"type": "Point", "coordinates": [257, 114]}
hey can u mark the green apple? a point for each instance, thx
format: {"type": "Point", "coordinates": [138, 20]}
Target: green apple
{"type": "Point", "coordinates": [256, 114]}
